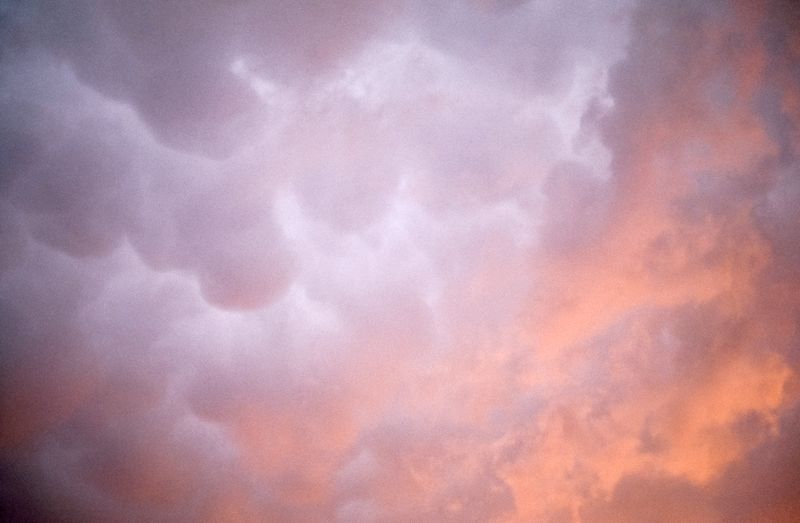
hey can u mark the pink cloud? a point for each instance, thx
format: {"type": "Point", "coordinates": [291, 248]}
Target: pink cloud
{"type": "Point", "coordinates": [399, 261]}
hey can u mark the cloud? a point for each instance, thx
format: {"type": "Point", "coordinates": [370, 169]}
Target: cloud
{"type": "Point", "coordinates": [398, 260]}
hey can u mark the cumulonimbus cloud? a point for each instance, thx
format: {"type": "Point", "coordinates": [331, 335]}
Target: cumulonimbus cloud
{"type": "Point", "coordinates": [399, 261]}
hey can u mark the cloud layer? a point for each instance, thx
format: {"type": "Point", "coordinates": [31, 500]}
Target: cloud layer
{"type": "Point", "coordinates": [399, 261]}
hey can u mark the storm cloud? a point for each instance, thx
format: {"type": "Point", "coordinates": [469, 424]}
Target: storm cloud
{"type": "Point", "coordinates": [397, 260]}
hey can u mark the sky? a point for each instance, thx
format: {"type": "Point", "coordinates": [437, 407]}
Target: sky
{"type": "Point", "coordinates": [400, 261]}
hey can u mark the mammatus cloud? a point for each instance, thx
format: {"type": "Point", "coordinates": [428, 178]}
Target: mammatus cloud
{"type": "Point", "coordinates": [399, 261]}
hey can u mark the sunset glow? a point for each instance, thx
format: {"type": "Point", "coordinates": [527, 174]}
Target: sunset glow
{"type": "Point", "coordinates": [400, 261]}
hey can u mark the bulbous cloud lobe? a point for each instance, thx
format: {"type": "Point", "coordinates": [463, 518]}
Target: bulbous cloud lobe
{"type": "Point", "coordinates": [399, 261]}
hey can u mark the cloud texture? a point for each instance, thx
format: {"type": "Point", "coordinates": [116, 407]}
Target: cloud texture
{"type": "Point", "coordinates": [399, 260]}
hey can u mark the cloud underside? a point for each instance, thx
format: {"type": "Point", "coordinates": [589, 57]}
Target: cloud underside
{"type": "Point", "coordinates": [399, 261]}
